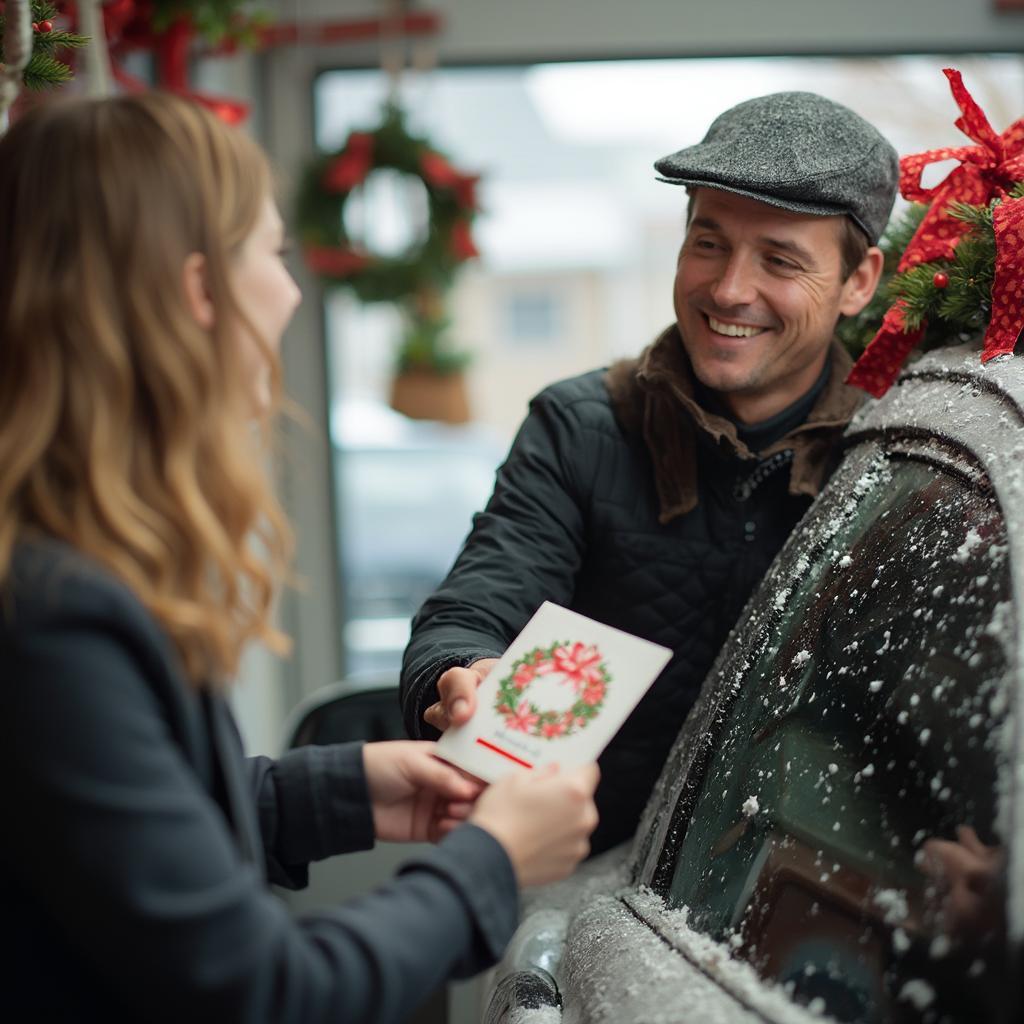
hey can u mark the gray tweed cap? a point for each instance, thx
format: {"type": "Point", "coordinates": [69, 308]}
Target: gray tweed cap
{"type": "Point", "coordinates": [798, 151]}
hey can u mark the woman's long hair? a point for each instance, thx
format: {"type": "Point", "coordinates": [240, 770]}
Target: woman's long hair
{"type": "Point", "coordinates": [125, 427]}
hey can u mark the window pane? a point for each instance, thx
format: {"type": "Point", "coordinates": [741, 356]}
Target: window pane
{"type": "Point", "coordinates": [846, 839]}
{"type": "Point", "coordinates": [578, 247]}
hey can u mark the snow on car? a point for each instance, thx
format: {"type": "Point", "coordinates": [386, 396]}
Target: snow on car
{"type": "Point", "coordinates": [837, 831]}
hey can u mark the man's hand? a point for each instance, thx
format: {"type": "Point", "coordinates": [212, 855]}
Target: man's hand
{"type": "Point", "coordinates": [457, 690]}
{"type": "Point", "coordinates": [415, 796]}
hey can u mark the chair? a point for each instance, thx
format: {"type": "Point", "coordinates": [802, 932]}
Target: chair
{"type": "Point", "coordinates": [344, 712]}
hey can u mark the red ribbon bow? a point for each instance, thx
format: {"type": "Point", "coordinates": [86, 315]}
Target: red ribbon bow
{"type": "Point", "coordinates": [986, 171]}
{"type": "Point", "coordinates": [352, 165]}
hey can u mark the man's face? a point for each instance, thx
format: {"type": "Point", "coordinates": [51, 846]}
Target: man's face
{"type": "Point", "coordinates": [758, 292]}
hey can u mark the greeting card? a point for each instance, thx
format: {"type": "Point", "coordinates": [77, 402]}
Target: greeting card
{"type": "Point", "coordinates": [558, 694]}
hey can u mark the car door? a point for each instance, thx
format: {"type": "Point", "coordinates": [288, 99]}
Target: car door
{"type": "Point", "coordinates": [839, 814]}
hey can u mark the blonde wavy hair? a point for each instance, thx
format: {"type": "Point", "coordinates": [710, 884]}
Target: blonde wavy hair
{"type": "Point", "coordinates": [126, 429]}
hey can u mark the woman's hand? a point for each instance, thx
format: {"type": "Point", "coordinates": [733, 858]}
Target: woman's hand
{"type": "Point", "coordinates": [543, 818]}
{"type": "Point", "coordinates": [415, 797]}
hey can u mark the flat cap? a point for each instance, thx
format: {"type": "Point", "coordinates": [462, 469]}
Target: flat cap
{"type": "Point", "coordinates": [798, 151]}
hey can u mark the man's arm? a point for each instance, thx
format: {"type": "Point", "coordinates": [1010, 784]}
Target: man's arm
{"type": "Point", "coordinates": [525, 548]}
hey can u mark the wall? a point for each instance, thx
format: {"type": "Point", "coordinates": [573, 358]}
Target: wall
{"type": "Point", "coordinates": [499, 29]}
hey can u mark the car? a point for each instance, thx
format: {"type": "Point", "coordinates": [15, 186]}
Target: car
{"type": "Point", "coordinates": [837, 832]}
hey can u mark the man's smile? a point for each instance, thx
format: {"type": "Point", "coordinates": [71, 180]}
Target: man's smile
{"type": "Point", "coordinates": [732, 330]}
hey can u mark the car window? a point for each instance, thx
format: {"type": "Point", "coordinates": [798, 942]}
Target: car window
{"type": "Point", "coordinates": [845, 838]}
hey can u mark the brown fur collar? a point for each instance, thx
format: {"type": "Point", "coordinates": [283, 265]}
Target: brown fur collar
{"type": "Point", "coordinates": [653, 396]}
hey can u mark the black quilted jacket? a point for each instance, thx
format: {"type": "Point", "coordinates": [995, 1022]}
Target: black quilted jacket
{"type": "Point", "coordinates": [574, 519]}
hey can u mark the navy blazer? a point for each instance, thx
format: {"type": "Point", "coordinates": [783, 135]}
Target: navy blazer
{"type": "Point", "coordinates": [139, 841]}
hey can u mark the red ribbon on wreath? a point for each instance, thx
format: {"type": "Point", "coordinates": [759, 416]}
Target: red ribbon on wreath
{"type": "Point", "coordinates": [462, 245]}
{"type": "Point", "coordinates": [986, 171]}
{"type": "Point", "coordinates": [352, 165]}
{"type": "Point", "coordinates": [440, 173]}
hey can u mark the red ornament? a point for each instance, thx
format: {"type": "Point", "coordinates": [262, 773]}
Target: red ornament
{"type": "Point", "coordinates": [35, 26]}
{"type": "Point", "coordinates": [940, 280]}
{"type": "Point", "coordinates": [46, 27]}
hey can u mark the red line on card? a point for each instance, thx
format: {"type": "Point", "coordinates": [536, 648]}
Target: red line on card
{"type": "Point", "coordinates": [504, 753]}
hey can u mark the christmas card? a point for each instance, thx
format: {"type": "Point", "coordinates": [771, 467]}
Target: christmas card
{"type": "Point", "coordinates": [558, 695]}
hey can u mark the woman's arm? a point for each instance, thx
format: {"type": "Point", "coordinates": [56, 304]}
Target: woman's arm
{"type": "Point", "coordinates": [135, 865]}
{"type": "Point", "coordinates": [312, 803]}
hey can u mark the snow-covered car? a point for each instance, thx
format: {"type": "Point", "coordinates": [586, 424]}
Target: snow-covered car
{"type": "Point", "coordinates": [838, 830]}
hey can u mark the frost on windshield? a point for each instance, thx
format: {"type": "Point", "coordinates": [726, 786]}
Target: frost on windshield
{"type": "Point", "coordinates": [845, 838]}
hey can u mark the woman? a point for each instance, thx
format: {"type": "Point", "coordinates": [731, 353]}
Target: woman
{"type": "Point", "coordinates": [142, 300]}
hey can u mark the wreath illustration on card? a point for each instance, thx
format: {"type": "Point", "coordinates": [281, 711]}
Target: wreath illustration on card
{"type": "Point", "coordinates": [579, 667]}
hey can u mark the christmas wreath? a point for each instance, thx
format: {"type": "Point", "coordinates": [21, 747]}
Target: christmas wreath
{"type": "Point", "coordinates": [955, 263]}
{"type": "Point", "coordinates": [579, 666]}
{"type": "Point", "coordinates": [330, 181]}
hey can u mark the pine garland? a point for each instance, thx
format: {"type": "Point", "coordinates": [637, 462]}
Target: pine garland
{"type": "Point", "coordinates": [957, 312]}
{"type": "Point", "coordinates": [45, 69]}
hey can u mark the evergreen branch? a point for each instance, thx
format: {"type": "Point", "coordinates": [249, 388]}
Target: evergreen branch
{"type": "Point", "coordinates": [56, 40]}
{"type": "Point", "coordinates": [44, 71]}
{"type": "Point", "coordinates": [979, 217]}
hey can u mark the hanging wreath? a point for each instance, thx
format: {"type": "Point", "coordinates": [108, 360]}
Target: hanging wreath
{"type": "Point", "coordinates": [580, 667]}
{"type": "Point", "coordinates": [330, 181]}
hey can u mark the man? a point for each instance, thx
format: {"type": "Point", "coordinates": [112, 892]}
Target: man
{"type": "Point", "coordinates": [654, 495]}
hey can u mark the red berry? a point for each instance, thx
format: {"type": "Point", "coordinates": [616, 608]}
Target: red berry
{"type": "Point", "coordinates": [46, 26]}
{"type": "Point", "coordinates": [35, 26]}
{"type": "Point", "coordinates": [940, 280]}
